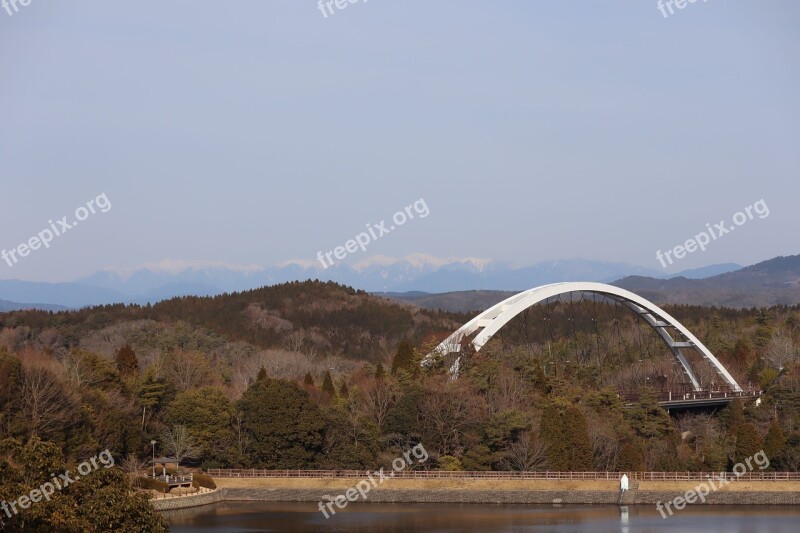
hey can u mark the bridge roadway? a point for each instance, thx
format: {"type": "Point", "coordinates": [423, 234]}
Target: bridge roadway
{"type": "Point", "coordinates": [696, 399]}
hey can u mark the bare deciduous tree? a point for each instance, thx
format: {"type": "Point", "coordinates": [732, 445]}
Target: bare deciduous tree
{"type": "Point", "coordinates": [294, 341]}
{"type": "Point", "coordinates": [449, 410]}
{"type": "Point", "coordinates": [134, 468]}
{"type": "Point", "coordinates": [376, 398]}
{"type": "Point", "coordinates": [508, 392]}
{"type": "Point", "coordinates": [84, 369]}
{"type": "Point", "coordinates": [43, 401]}
{"type": "Point", "coordinates": [527, 454]}
{"type": "Point", "coordinates": [605, 445]}
{"type": "Point", "coordinates": [188, 369]}
{"type": "Point", "coordinates": [781, 351]}
{"type": "Point", "coordinates": [703, 430]}
{"type": "Point", "coordinates": [179, 442]}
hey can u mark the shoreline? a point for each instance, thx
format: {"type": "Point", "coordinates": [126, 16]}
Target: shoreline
{"type": "Point", "coordinates": [531, 492]}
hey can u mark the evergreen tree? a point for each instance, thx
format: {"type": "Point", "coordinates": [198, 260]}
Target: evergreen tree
{"type": "Point", "coordinates": [733, 415]}
{"type": "Point", "coordinates": [748, 442]}
{"type": "Point", "coordinates": [151, 392]}
{"type": "Point", "coordinates": [402, 418]}
{"type": "Point", "coordinates": [10, 382]}
{"type": "Point", "coordinates": [262, 374]}
{"type": "Point", "coordinates": [404, 358]}
{"type": "Point", "coordinates": [327, 385]}
{"type": "Point", "coordinates": [308, 381]}
{"type": "Point", "coordinates": [566, 437]}
{"type": "Point", "coordinates": [352, 440]}
{"type": "Point", "coordinates": [552, 434]}
{"type": "Point", "coordinates": [775, 442]}
{"type": "Point", "coordinates": [577, 437]}
{"type": "Point", "coordinates": [207, 414]}
{"type": "Point", "coordinates": [380, 373]}
{"type": "Point", "coordinates": [648, 419]}
{"type": "Point", "coordinates": [285, 427]}
{"type": "Point", "coordinates": [101, 501]}
{"type": "Point", "coordinates": [344, 392]}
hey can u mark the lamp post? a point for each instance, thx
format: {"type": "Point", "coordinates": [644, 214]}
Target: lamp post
{"type": "Point", "coordinates": [153, 443]}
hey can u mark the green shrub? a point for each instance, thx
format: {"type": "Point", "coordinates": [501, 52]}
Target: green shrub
{"type": "Point", "coordinates": [450, 463]}
{"type": "Point", "coordinates": [203, 480]}
{"type": "Point", "coordinates": [154, 484]}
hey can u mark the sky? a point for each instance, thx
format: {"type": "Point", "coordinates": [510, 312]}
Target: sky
{"type": "Point", "coordinates": [254, 132]}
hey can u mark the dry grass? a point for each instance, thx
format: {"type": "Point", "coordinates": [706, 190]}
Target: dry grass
{"type": "Point", "coordinates": [734, 486]}
{"type": "Point", "coordinates": [492, 484]}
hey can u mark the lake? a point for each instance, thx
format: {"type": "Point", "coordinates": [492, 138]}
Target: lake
{"type": "Point", "coordinates": [230, 517]}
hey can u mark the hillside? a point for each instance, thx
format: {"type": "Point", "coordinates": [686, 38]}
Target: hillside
{"type": "Point", "coordinates": [288, 377]}
{"type": "Point", "coordinates": [772, 282]}
{"type": "Point", "coordinates": [456, 302]}
{"type": "Point", "coordinates": [312, 315]}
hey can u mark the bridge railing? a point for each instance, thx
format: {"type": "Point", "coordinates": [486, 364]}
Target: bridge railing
{"type": "Point", "coordinates": [439, 474]}
{"type": "Point", "coordinates": [674, 395]}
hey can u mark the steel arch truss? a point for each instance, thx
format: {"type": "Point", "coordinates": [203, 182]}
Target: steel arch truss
{"type": "Point", "coordinates": [490, 321]}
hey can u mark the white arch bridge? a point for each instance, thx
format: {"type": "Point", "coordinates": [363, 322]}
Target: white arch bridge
{"type": "Point", "coordinates": [489, 322]}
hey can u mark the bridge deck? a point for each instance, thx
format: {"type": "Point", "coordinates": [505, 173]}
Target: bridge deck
{"type": "Point", "coordinates": [687, 400]}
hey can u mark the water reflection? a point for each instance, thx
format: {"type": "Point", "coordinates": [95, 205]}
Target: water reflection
{"type": "Point", "coordinates": [230, 517]}
{"type": "Point", "coordinates": [623, 519]}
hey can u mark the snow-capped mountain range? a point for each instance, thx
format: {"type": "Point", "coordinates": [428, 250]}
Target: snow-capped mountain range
{"type": "Point", "coordinates": [419, 272]}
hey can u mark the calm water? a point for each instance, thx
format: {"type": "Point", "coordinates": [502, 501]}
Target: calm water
{"type": "Point", "coordinates": [230, 517]}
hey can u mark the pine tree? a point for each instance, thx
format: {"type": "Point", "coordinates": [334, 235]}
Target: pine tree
{"type": "Point", "coordinates": [775, 442]}
{"type": "Point", "coordinates": [262, 374]}
{"type": "Point", "coordinates": [308, 381]}
{"type": "Point", "coordinates": [748, 442]}
{"type": "Point", "coordinates": [327, 385]}
{"type": "Point", "coordinates": [344, 392]}
{"type": "Point", "coordinates": [150, 393]}
{"type": "Point", "coordinates": [380, 373]}
{"type": "Point", "coordinates": [733, 415]}
{"type": "Point", "coordinates": [577, 437]}
{"type": "Point", "coordinates": [404, 358]}
{"type": "Point", "coordinates": [284, 424]}
{"type": "Point", "coordinates": [402, 419]}
{"type": "Point", "coordinates": [648, 419]}
{"type": "Point", "coordinates": [552, 434]}
{"type": "Point", "coordinates": [566, 437]}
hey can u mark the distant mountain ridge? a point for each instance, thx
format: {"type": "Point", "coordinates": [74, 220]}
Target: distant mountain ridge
{"type": "Point", "coordinates": [418, 272]}
{"type": "Point", "coordinates": [772, 282]}
{"type": "Point", "coordinates": [5, 305]}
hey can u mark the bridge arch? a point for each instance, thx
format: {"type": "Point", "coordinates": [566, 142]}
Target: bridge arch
{"type": "Point", "coordinates": [490, 321]}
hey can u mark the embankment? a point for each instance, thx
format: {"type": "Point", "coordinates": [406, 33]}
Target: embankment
{"type": "Point", "coordinates": [503, 491]}
{"type": "Point", "coordinates": [184, 502]}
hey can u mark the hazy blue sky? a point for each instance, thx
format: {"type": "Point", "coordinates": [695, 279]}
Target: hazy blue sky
{"type": "Point", "coordinates": [253, 132]}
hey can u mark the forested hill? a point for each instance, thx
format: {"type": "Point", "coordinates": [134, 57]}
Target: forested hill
{"type": "Point", "coordinates": [312, 316]}
{"type": "Point", "coordinates": [316, 375]}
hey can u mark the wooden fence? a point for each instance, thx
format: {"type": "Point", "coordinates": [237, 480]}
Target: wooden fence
{"type": "Point", "coordinates": [440, 474]}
